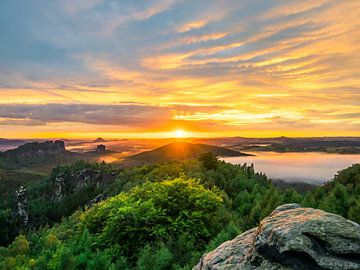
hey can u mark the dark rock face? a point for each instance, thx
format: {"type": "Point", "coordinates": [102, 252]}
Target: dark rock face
{"type": "Point", "coordinates": [100, 148]}
{"type": "Point", "coordinates": [291, 237]}
{"type": "Point", "coordinates": [65, 185]}
{"type": "Point", "coordinates": [59, 146]}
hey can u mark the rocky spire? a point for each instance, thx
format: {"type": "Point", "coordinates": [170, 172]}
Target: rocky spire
{"type": "Point", "coordinates": [22, 204]}
{"type": "Point", "coordinates": [100, 148]}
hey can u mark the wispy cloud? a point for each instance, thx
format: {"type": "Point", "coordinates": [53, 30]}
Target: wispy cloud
{"type": "Point", "coordinates": [267, 65]}
{"type": "Point", "coordinates": [123, 114]}
{"type": "Point", "coordinates": [191, 26]}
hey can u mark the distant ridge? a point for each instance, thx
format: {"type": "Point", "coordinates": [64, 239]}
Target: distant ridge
{"type": "Point", "coordinates": [180, 151]}
{"type": "Point", "coordinates": [6, 144]}
{"type": "Point", "coordinates": [34, 149]}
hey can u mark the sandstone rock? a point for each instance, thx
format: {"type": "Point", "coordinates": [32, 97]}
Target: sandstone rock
{"type": "Point", "coordinates": [101, 148]}
{"type": "Point", "coordinates": [65, 184]}
{"type": "Point", "coordinates": [59, 187]}
{"type": "Point", "coordinates": [291, 237]}
{"type": "Point", "coordinates": [59, 146]}
{"type": "Point", "coordinates": [22, 204]}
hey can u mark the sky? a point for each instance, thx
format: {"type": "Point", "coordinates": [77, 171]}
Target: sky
{"type": "Point", "coordinates": [124, 68]}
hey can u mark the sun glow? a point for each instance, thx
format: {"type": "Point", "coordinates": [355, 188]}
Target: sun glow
{"type": "Point", "coordinates": [179, 133]}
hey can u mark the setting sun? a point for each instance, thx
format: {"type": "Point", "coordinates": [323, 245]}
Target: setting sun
{"type": "Point", "coordinates": [145, 124]}
{"type": "Point", "coordinates": [179, 133]}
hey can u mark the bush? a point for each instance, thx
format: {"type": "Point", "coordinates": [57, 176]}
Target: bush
{"type": "Point", "coordinates": [155, 212]}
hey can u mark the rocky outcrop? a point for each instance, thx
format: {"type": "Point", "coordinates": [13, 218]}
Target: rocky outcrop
{"type": "Point", "coordinates": [35, 153]}
{"type": "Point", "coordinates": [291, 237]}
{"type": "Point", "coordinates": [22, 205]}
{"type": "Point", "coordinates": [36, 149]}
{"type": "Point", "coordinates": [39, 155]}
{"type": "Point", "coordinates": [58, 146]}
{"type": "Point", "coordinates": [66, 184]}
{"type": "Point", "coordinates": [59, 187]}
{"type": "Point", "coordinates": [101, 148]}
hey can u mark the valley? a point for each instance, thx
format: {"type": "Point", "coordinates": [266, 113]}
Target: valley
{"type": "Point", "coordinates": [196, 198]}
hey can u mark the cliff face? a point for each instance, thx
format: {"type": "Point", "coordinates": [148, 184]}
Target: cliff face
{"type": "Point", "coordinates": [68, 184]}
{"type": "Point", "coordinates": [291, 237]}
{"type": "Point", "coordinates": [34, 150]}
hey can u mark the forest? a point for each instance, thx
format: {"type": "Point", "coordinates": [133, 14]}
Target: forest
{"type": "Point", "coordinates": [160, 216]}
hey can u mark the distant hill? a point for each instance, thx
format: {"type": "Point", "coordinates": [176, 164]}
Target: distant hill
{"type": "Point", "coordinates": [7, 141]}
{"type": "Point", "coordinates": [30, 163]}
{"type": "Point", "coordinates": [40, 155]}
{"type": "Point", "coordinates": [179, 151]}
{"type": "Point", "coordinates": [99, 140]}
{"type": "Point", "coordinates": [43, 156]}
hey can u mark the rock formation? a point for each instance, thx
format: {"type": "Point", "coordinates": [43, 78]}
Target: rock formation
{"type": "Point", "coordinates": [22, 205]}
{"type": "Point", "coordinates": [100, 148]}
{"type": "Point", "coordinates": [36, 150]}
{"type": "Point", "coordinates": [59, 187]}
{"type": "Point", "coordinates": [66, 184]}
{"type": "Point", "coordinates": [291, 237]}
{"type": "Point", "coordinates": [58, 146]}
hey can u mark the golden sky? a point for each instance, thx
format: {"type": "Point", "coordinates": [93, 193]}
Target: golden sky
{"type": "Point", "coordinates": [90, 68]}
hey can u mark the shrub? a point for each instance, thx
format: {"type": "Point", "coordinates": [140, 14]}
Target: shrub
{"type": "Point", "coordinates": [155, 212]}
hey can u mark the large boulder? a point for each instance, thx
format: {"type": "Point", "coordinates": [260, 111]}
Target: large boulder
{"type": "Point", "coordinates": [291, 237]}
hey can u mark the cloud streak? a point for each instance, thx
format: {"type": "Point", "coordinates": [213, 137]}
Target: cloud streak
{"type": "Point", "coordinates": [233, 64]}
{"type": "Point", "coordinates": [128, 114]}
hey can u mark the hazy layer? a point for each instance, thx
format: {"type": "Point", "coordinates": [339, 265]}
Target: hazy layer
{"type": "Point", "coordinates": [313, 168]}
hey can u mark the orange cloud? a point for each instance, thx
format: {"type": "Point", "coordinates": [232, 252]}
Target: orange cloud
{"type": "Point", "coordinates": [283, 69]}
{"type": "Point", "coordinates": [192, 25]}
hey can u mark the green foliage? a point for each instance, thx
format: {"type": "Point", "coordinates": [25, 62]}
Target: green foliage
{"type": "Point", "coordinates": [6, 233]}
{"type": "Point", "coordinates": [228, 233]}
{"type": "Point", "coordinates": [20, 246]}
{"type": "Point", "coordinates": [155, 212]}
{"type": "Point", "coordinates": [145, 228]}
{"type": "Point", "coordinates": [354, 211]}
{"type": "Point", "coordinates": [209, 161]}
{"type": "Point", "coordinates": [44, 207]}
{"type": "Point", "coordinates": [349, 177]}
{"type": "Point", "coordinates": [340, 196]}
{"type": "Point", "coordinates": [11, 180]}
{"type": "Point", "coordinates": [155, 258]}
{"type": "Point", "coordinates": [162, 216]}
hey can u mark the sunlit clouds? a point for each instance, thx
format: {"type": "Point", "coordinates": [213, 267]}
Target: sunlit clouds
{"type": "Point", "coordinates": [211, 68]}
